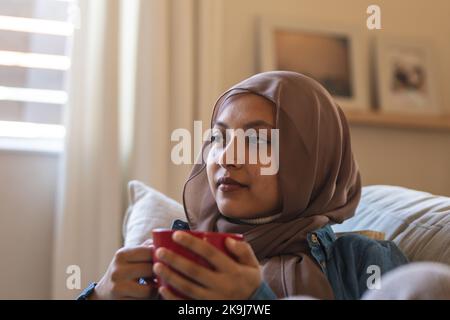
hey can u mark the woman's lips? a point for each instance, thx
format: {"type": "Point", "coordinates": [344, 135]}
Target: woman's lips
{"type": "Point", "coordinates": [226, 184]}
{"type": "Point", "coordinates": [230, 187]}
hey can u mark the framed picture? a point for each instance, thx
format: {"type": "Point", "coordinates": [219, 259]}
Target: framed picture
{"type": "Point", "coordinates": [334, 55]}
{"type": "Point", "coordinates": [406, 76]}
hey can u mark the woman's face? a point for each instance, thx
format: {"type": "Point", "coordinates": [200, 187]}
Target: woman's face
{"type": "Point", "coordinates": [254, 195]}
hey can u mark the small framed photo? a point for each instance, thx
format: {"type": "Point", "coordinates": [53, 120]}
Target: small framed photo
{"type": "Point", "coordinates": [406, 76]}
{"type": "Point", "coordinates": [335, 56]}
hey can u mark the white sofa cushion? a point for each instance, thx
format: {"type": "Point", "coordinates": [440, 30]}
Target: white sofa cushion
{"type": "Point", "coordinates": [418, 222]}
{"type": "Point", "coordinates": [148, 209]}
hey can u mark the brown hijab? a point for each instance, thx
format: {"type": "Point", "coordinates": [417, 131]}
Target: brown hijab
{"type": "Point", "coordinates": [318, 176]}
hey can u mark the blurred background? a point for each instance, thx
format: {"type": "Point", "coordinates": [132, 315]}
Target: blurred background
{"type": "Point", "coordinates": [91, 90]}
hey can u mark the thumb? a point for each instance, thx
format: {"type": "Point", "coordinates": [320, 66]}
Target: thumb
{"type": "Point", "coordinates": [242, 251]}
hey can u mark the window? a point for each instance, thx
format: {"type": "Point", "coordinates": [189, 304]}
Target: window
{"type": "Point", "coordinates": [35, 41]}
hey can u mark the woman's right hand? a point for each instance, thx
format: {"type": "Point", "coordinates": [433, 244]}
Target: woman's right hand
{"type": "Point", "coordinates": [121, 280]}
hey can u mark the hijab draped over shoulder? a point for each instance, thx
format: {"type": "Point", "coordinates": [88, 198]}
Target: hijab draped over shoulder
{"type": "Point", "coordinates": [318, 178]}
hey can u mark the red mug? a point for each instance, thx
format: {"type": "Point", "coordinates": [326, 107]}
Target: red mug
{"type": "Point", "coordinates": [162, 238]}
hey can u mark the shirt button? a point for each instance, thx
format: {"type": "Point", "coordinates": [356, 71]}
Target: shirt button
{"type": "Point", "coordinates": [314, 238]}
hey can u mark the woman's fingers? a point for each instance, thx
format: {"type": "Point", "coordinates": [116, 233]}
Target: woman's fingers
{"type": "Point", "coordinates": [135, 254]}
{"type": "Point", "coordinates": [135, 271]}
{"type": "Point", "coordinates": [218, 259]}
{"type": "Point", "coordinates": [242, 251]}
{"type": "Point", "coordinates": [190, 269]}
{"type": "Point", "coordinates": [167, 294]}
{"type": "Point", "coordinates": [132, 289]}
{"type": "Point", "coordinates": [180, 283]}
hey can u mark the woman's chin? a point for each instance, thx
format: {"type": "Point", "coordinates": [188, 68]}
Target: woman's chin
{"type": "Point", "coordinates": [232, 210]}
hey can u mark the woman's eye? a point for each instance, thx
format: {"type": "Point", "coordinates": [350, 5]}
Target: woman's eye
{"type": "Point", "coordinates": [257, 140]}
{"type": "Point", "coordinates": [216, 138]}
{"type": "Point", "coordinates": [253, 139]}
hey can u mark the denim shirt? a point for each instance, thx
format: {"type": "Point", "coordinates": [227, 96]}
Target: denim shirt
{"type": "Point", "coordinates": [352, 262]}
{"type": "Point", "coordinates": [348, 262]}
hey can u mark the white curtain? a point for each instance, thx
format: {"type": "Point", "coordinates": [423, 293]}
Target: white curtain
{"type": "Point", "coordinates": [140, 69]}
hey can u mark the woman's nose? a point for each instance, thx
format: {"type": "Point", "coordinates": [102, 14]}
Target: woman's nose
{"type": "Point", "coordinates": [233, 155]}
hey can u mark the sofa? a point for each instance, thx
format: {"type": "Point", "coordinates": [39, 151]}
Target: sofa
{"type": "Point", "coordinates": [418, 222]}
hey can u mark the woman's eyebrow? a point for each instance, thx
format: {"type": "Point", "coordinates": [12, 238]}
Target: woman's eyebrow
{"type": "Point", "coordinates": [251, 124]}
{"type": "Point", "coordinates": [220, 124]}
{"type": "Point", "coordinates": [258, 123]}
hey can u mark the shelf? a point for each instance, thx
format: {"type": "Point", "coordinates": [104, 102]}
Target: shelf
{"type": "Point", "coordinates": [404, 121]}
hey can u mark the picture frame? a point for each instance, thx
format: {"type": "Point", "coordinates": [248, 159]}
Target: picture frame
{"type": "Point", "coordinates": [333, 54]}
{"type": "Point", "coordinates": [406, 77]}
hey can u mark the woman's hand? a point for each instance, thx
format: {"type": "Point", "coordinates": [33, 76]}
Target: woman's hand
{"type": "Point", "coordinates": [230, 280]}
{"type": "Point", "coordinates": [121, 280]}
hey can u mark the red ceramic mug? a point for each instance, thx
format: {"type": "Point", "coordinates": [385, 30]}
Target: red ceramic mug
{"type": "Point", "coordinates": [162, 238]}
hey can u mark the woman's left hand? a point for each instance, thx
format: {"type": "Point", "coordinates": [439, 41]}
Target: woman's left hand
{"type": "Point", "coordinates": [230, 280]}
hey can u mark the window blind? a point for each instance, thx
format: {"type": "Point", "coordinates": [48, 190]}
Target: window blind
{"type": "Point", "coordinates": [35, 41]}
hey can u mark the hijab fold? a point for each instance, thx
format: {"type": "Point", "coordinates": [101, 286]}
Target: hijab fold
{"type": "Point", "coordinates": [318, 178]}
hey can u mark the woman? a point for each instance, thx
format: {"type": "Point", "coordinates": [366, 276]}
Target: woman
{"type": "Point", "coordinates": [285, 217]}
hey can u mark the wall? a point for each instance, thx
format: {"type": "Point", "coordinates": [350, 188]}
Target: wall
{"type": "Point", "coordinates": [27, 193]}
{"type": "Point", "coordinates": [416, 159]}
